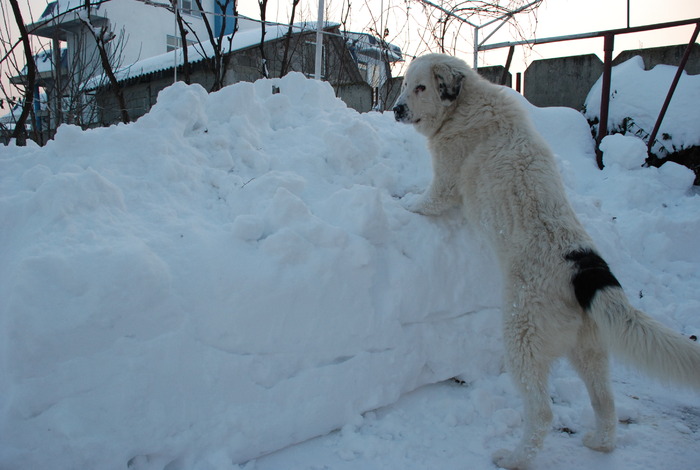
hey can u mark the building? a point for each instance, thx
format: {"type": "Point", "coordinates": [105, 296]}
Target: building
{"type": "Point", "coordinates": [245, 57]}
{"type": "Point", "coordinates": [127, 31]}
{"type": "Point", "coordinates": [141, 43]}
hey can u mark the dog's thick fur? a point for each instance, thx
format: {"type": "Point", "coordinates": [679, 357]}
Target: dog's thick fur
{"type": "Point", "coordinates": [560, 298]}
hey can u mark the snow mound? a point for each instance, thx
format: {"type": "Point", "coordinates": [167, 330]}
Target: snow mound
{"type": "Point", "coordinates": [636, 99]}
{"type": "Point", "coordinates": [233, 271]}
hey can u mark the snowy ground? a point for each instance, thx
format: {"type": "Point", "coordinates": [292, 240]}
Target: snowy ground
{"type": "Point", "coordinates": [222, 282]}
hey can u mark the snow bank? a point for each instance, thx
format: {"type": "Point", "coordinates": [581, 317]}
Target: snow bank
{"type": "Point", "coordinates": [636, 98]}
{"type": "Point", "coordinates": [234, 274]}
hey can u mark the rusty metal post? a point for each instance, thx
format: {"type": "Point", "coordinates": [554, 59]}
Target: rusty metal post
{"type": "Point", "coordinates": [504, 77]}
{"type": "Point", "coordinates": [674, 83]}
{"type": "Point", "coordinates": [605, 96]}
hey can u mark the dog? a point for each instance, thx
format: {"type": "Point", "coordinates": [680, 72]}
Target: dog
{"type": "Point", "coordinates": [560, 297]}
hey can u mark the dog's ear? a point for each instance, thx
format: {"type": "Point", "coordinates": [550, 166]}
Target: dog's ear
{"type": "Point", "coordinates": [449, 82]}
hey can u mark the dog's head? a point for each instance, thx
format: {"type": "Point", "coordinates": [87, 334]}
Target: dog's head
{"type": "Point", "coordinates": [432, 84]}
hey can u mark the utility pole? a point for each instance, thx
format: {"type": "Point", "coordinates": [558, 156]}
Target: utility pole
{"type": "Point", "coordinates": [319, 41]}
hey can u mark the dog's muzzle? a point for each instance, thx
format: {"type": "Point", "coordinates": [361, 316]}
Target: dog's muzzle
{"type": "Point", "coordinates": [400, 112]}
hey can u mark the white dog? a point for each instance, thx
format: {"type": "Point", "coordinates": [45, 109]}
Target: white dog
{"type": "Point", "coordinates": [560, 297]}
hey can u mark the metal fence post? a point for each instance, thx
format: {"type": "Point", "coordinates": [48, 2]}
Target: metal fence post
{"type": "Point", "coordinates": [674, 83]}
{"type": "Point", "coordinates": [605, 96]}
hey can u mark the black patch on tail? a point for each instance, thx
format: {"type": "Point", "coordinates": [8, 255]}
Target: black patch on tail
{"type": "Point", "coordinates": [592, 274]}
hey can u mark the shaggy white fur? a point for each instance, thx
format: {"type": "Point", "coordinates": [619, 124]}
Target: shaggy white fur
{"type": "Point", "coordinates": [560, 298]}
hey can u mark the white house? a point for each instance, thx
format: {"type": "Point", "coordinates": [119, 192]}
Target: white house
{"type": "Point", "coordinates": [149, 28]}
{"type": "Point", "coordinates": [131, 30]}
{"type": "Point", "coordinates": [137, 34]}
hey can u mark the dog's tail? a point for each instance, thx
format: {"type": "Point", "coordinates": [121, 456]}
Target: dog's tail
{"type": "Point", "coordinates": [643, 342]}
{"type": "Point", "coordinates": [631, 334]}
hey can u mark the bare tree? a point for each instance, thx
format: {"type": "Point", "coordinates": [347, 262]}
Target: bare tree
{"type": "Point", "coordinates": [66, 77]}
{"type": "Point", "coordinates": [287, 41]}
{"type": "Point", "coordinates": [448, 22]}
{"type": "Point", "coordinates": [379, 69]}
{"type": "Point", "coordinates": [20, 131]}
{"type": "Point", "coordinates": [183, 41]}
{"type": "Point", "coordinates": [103, 36]}
{"type": "Point", "coordinates": [446, 26]}
{"type": "Point", "coordinates": [217, 60]}
{"type": "Point", "coordinates": [263, 65]}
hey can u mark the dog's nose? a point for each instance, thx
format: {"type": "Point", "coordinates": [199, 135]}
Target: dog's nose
{"type": "Point", "coordinates": [399, 111]}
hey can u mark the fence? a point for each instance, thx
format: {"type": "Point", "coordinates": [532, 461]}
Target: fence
{"type": "Point", "coordinates": [608, 47]}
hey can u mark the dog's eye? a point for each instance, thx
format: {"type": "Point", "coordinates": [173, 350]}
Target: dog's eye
{"type": "Point", "coordinates": [420, 88]}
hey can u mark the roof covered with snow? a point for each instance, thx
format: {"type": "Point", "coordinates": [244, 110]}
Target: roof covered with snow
{"type": "Point", "coordinates": [247, 36]}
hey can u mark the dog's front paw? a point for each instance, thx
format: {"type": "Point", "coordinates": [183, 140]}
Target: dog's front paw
{"type": "Point", "coordinates": [507, 459]}
{"type": "Point", "coordinates": [412, 202]}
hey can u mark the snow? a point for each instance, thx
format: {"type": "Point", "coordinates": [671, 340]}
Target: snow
{"type": "Point", "coordinates": [231, 282]}
{"type": "Point", "coordinates": [636, 99]}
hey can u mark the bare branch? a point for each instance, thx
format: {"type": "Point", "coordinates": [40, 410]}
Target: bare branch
{"type": "Point", "coordinates": [101, 40]}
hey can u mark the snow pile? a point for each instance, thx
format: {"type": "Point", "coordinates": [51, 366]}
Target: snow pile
{"type": "Point", "coordinates": [234, 274]}
{"type": "Point", "coordinates": [636, 99]}
{"type": "Point", "coordinates": [230, 261]}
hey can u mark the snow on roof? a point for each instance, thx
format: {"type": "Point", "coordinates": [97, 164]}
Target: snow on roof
{"type": "Point", "coordinates": [244, 38]}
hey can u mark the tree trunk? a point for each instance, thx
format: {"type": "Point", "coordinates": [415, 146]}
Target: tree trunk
{"type": "Point", "coordinates": [20, 131]}
{"type": "Point", "coordinates": [263, 9]}
{"type": "Point", "coordinates": [107, 66]}
{"type": "Point", "coordinates": [183, 39]}
{"type": "Point", "coordinates": [286, 59]}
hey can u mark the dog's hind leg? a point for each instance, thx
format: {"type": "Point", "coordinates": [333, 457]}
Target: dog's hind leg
{"type": "Point", "coordinates": [590, 359]}
{"type": "Point", "coordinates": [529, 368]}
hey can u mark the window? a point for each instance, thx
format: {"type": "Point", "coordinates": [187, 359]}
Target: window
{"type": "Point", "coordinates": [309, 64]}
{"type": "Point", "coordinates": [175, 42]}
{"type": "Point", "coordinates": [188, 7]}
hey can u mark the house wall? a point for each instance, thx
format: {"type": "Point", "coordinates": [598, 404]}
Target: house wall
{"type": "Point", "coordinates": [146, 27]}
{"type": "Point", "coordinates": [357, 96]}
{"type": "Point", "coordinates": [338, 65]}
{"type": "Point", "coordinates": [83, 58]}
